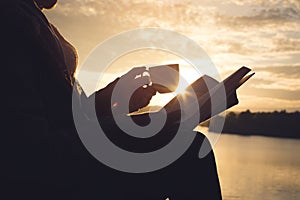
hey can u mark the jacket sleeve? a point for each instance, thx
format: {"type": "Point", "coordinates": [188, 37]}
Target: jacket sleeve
{"type": "Point", "coordinates": [38, 139]}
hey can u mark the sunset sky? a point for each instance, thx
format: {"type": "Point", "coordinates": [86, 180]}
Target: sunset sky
{"type": "Point", "coordinates": [263, 35]}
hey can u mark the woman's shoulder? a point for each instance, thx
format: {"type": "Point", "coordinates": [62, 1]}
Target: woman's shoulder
{"type": "Point", "coordinates": [19, 17]}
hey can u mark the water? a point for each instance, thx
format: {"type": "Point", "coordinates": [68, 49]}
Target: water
{"type": "Point", "coordinates": [255, 167]}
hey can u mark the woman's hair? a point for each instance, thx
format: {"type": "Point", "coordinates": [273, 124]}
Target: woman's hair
{"type": "Point", "coordinates": [45, 4]}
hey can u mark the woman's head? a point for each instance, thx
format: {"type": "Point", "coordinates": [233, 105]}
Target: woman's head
{"type": "Point", "coordinates": [47, 4]}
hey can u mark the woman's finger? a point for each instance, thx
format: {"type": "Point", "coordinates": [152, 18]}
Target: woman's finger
{"type": "Point", "coordinates": [136, 71]}
{"type": "Point", "coordinates": [141, 81]}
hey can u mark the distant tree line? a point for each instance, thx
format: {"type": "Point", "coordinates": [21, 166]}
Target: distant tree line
{"type": "Point", "coordinates": [275, 124]}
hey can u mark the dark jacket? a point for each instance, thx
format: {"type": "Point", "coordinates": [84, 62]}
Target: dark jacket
{"type": "Point", "coordinates": [41, 153]}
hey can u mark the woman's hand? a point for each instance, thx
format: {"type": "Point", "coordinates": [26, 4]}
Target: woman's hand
{"type": "Point", "coordinates": [126, 94]}
{"type": "Point", "coordinates": [133, 90]}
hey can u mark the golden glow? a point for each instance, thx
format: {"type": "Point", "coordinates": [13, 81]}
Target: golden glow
{"type": "Point", "coordinates": [255, 165]}
{"type": "Point", "coordinates": [264, 37]}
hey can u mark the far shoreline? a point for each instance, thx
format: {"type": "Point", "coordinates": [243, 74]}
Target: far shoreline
{"type": "Point", "coordinates": [279, 124]}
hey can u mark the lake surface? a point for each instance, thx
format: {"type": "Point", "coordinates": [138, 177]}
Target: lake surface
{"type": "Point", "coordinates": [256, 167]}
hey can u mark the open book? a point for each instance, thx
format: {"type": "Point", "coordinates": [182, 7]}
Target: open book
{"type": "Point", "coordinates": [207, 97]}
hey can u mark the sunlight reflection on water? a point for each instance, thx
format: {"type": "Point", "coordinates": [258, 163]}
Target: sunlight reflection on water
{"type": "Point", "coordinates": [258, 167]}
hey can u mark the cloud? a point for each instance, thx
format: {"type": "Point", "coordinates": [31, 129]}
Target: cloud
{"type": "Point", "coordinates": [264, 19]}
{"type": "Point", "coordinates": [276, 83]}
{"type": "Point", "coordinates": [255, 103]}
{"type": "Point", "coordinates": [257, 33]}
{"type": "Point", "coordinates": [278, 15]}
{"type": "Point", "coordinates": [281, 81]}
{"type": "Point", "coordinates": [79, 7]}
{"type": "Point", "coordinates": [290, 72]}
{"type": "Point", "coordinates": [273, 93]}
{"type": "Point", "coordinates": [286, 45]}
{"type": "Point", "coordinates": [232, 46]}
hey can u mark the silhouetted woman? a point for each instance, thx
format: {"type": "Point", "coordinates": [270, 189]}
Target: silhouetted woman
{"type": "Point", "coordinates": [41, 153]}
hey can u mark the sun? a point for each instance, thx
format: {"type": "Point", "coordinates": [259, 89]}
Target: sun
{"type": "Point", "coordinates": [187, 76]}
